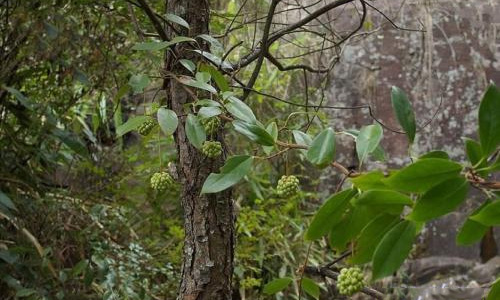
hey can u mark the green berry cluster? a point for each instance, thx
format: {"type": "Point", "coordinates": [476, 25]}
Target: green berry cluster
{"type": "Point", "coordinates": [350, 281]}
{"type": "Point", "coordinates": [288, 186]}
{"type": "Point", "coordinates": [211, 125]}
{"type": "Point", "coordinates": [146, 127]}
{"type": "Point", "coordinates": [161, 181]}
{"type": "Point", "coordinates": [211, 149]}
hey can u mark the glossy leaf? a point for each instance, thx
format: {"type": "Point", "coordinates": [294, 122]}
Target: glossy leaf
{"type": "Point", "coordinates": [404, 112]}
{"type": "Point", "coordinates": [188, 64]}
{"type": "Point", "coordinates": [370, 237]}
{"type": "Point", "coordinates": [435, 154]}
{"type": "Point", "coordinates": [217, 76]}
{"type": "Point", "coordinates": [72, 141]}
{"type": "Point", "coordinates": [168, 121]}
{"type": "Point", "coordinates": [322, 150]}
{"type": "Point", "coordinates": [231, 173]}
{"type": "Point", "coordinates": [215, 59]}
{"type": "Point", "coordinates": [489, 215]}
{"type": "Point", "coordinates": [254, 132]}
{"type": "Point", "coordinates": [494, 293]}
{"type": "Point", "coordinates": [370, 181]}
{"type": "Point", "coordinates": [310, 287]}
{"type": "Point", "coordinates": [277, 285]}
{"type": "Point", "coordinates": [380, 197]}
{"type": "Point", "coordinates": [423, 174]}
{"type": "Point", "coordinates": [489, 120]}
{"type": "Point", "coordinates": [155, 46]}
{"type": "Point", "coordinates": [440, 199]}
{"type": "Point", "coordinates": [195, 131]}
{"type": "Point", "coordinates": [393, 249]}
{"type": "Point", "coordinates": [329, 214]}
{"type": "Point", "coordinates": [472, 231]}
{"type": "Point", "coordinates": [199, 84]}
{"type": "Point", "coordinates": [5, 201]}
{"type": "Point", "coordinates": [368, 140]}
{"type": "Point", "coordinates": [302, 138]}
{"type": "Point", "coordinates": [240, 110]}
{"type": "Point", "coordinates": [131, 124]}
{"type": "Point", "coordinates": [351, 225]}
{"type": "Point", "coordinates": [209, 111]}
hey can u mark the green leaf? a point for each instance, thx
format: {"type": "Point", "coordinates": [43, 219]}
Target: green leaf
{"type": "Point", "coordinates": [329, 214]}
{"type": "Point", "coordinates": [231, 173]}
{"type": "Point", "coordinates": [24, 292]}
{"type": "Point", "coordinates": [440, 199]}
{"type": "Point", "coordinates": [472, 231]}
{"type": "Point", "coordinates": [131, 124]}
{"type": "Point", "coordinates": [195, 131]}
{"type": "Point", "coordinates": [381, 197]}
{"type": "Point", "coordinates": [189, 81]}
{"type": "Point", "coordinates": [215, 59]}
{"type": "Point", "coordinates": [203, 76]}
{"type": "Point", "coordinates": [393, 249]}
{"type": "Point", "coordinates": [370, 181]}
{"type": "Point", "coordinates": [489, 120]}
{"type": "Point", "coordinates": [213, 41]}
{"type": "Point", "coordinates": [351, 225]}
{"type": "Point", "coordinates": [488, 215]}
{"type": "Point", "coordinates": [368, 140]}
{"type": "Point", "coordinates": [370, 237]}
{"type": "Point", "coordinates": [377, 154]}
{"type": "Point", "coordinates": [139, 82]}
{"type": "Point", "coordinates": [209, 111]}
{"type": "Point", "coordinates": [494, 293]}
{"type": "Point", "coordinates": [155, 46]}
{"type": "Point", "coordinates": [207, 102]}
{"type": "Point", "coordinates": [5, 201]}
{"type": "Point", "coordinates": [435, 154]}
{"type": "Point", "coordinates": [240, 110]}
{"type": "Point", "coordinates": [217, 77]}
{"type": "Point", "coordinates": [423, 174]}
{"type": "Point", "coordinates": [72, 141]}
{"type": "Point", "coordinates": [168, 121]}
{"type": "Point", "coordinates": [277, 285]}
{"type": "Point", "coordinates": [310, 287]}
{"type": "Point", "coordinates": [272, 129]}
{"type": "Point", "coordinates": [303, 139]}
{"type": "Point", "coordinates": [322, 150]}
{"type": "Point", "coordinates": [25, 101]}
{"type": "Point", "coordinates": [404, 112]}
{"type": "Point", "coordinates": [176, 19]}
{"type": "Point", "coordinates": [254, 132]}
{"type": "Point", "coordinates": [188, 64]}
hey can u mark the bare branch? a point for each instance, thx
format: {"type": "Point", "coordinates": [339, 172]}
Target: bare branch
{"type": "Point", "coordinates": [154, 19]}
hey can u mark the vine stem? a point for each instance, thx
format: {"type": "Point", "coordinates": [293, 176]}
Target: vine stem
{"type": "Point", "coordinates": [302, 269]}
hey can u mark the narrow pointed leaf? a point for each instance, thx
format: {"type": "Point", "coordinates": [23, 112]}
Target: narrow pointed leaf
{"type": "Point", "coordinates": [404, 112]}
{"type": "Point", "coordinates": [131, 124]}
{"type": "Point", "coordinates": [329, 214]}
{"type": "Point", "coordinates": [254, 132]}
{"type": "Point", "coordinates": [393, 249]}
{"type": "Point", "coordinates": [176, 19]}
{"type": "Point", "coordinates": [440, 199]}
{"type": "Point", "coordinates": [310, 287]}
{"type": "Point", "coordinates": [277, 285]}
{"type": "Point", "coordinates": [423, 174]}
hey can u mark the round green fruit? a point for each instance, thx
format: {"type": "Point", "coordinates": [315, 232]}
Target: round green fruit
{"type": "Point", "coordinates": [211, 149]}
{"type": "Point", "coordinates": [350, 281]}
{"type": "Point", "coordinates": [211, 125]}
{"type": "Point", "coordinates": [146, 127]}
{"type": "Point", "coordinates": [161, 181]}
{"type": "Point", "coordinates": [288, 186]}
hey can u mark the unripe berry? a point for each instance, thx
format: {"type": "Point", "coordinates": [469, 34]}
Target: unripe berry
{"type": "Point", "coordinates": [146, 127]}
{"type": "Point", "coordinates": [288, 186]}
{"type": "Point", "coordinates": [211, 149]}
{"type": "Point", "coordinates": [161, 181]}
{"type": "Point", "coordinates": [211, 125]}
{"type": "Point", "coordinates": [350, 281]}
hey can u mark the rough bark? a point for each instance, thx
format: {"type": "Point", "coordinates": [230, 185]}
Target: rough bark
{"type": "Point", "coordinates": [209, 221]}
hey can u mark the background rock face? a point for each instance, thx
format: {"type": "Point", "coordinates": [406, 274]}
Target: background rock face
{"type": "Point", "coordinates": [444, 71]}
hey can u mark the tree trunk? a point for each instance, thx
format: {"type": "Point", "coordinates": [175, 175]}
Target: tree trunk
{"type": "Point", "coordinates": [207, 266]}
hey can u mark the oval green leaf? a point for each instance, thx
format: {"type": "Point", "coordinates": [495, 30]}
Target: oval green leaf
{"type": "Point", "coordinates": [168, 121]}
{"type": "Point", "coordinates": [488, 215]}
{"type": "Point", "coordinates": [368, 140]}
{"type": "Point", "coordinates": [131, 124]}
{"type": "Point", "coordinates": [322, 150]}
{"type": "Point", "coordinates": [240, 110]}
{"type": "Point", "coordinates": [423, 174]}
{"type": "Point", "coordinates": [277, 285]}
{"type": "Point", "coordinates": [440, 199]}
{"type": "Point", "coordinates": [195, 131]}
{"type": "Point", "coordinates": [329, 214]}
{"type": "Point", "coordinates": [254, 132]}
{"type": "Point", "coordinates": [231, 173]}
{"type": "Point", "coordinates": [310, 287]}
{"type": "Point", "coordinates": [393, 249]}
{"type": "Point", "coordinates": [489, 120]}
{"type": "Point", "coordinates": [472, 231]}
